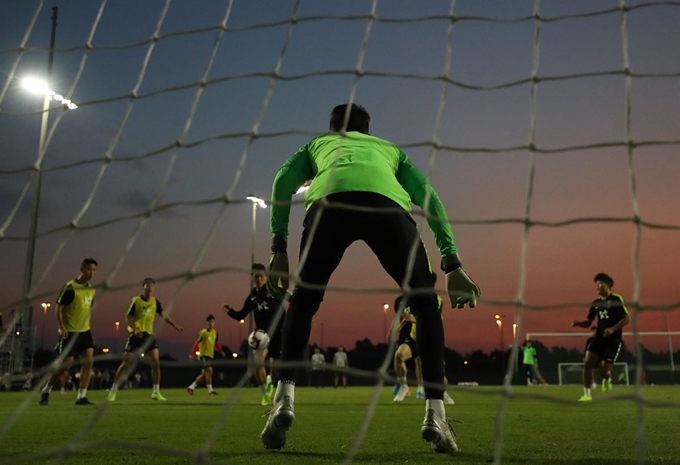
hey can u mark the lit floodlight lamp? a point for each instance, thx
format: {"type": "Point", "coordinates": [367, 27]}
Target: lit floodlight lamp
{"type": "Point", "coordinates": [36, 86]}
{"type": "Point", "coordinates": [258, 201]}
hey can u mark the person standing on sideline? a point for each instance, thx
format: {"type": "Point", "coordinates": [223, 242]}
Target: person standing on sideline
{"type": "Point", "coordinates": [318, 367]}
{"type": "Point", "coordinates": [140, 318]}
{"type": "Point", "coordinates": [341, 364]}
{"type": "Point", "coordinates": [612, 316]}
{"type": "Point", "coordinates": [362, 188]}
{"type": "Point", "coordinates": [204, 349]}
{"type": "Point", "coordinates": [74, 308]}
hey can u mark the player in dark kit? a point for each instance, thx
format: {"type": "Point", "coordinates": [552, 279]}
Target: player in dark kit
{"type": "Point", "coordinates": [612, 315]}
{"type": "Point", "coordinates": [264, 301]}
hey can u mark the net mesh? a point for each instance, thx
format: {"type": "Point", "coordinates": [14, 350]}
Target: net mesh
{"type": "Point", "coordinates": [190, 137]}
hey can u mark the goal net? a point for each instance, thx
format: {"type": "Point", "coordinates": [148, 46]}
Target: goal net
{"type": "Point", "coordinates": [572, 374]}
{"type": "Point", "coordinates": [157, 124]}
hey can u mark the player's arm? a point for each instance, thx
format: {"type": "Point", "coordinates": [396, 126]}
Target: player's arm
{"type": "Point", "coordinates": [592, 313]}
{"type": "Point", "coordinates": [293, 174]}
{"type": "Point", "coordinates": [461, 288]}
{"type": "Point", "coordinates": [239, 314]}
{"type": "Point", "coordinates": [65, 297]}
{"type": "Point", "coordinates": [625, 319]}
{"type": "Point", "coordinates": [194, 348]}
{"type": "Point", "coordinates": [166, 317]}
{"type": "Point", "coordinates": [218, 347]}
{"type": "Point", "coordinates": [130, 317]}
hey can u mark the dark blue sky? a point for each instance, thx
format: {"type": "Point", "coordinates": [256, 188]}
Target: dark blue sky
{"type": "Point", "coordinates": [317, 58]}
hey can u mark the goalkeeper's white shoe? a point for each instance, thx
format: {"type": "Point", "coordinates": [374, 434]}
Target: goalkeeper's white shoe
{"type": "Point", "coordinates": [447, 399]}
{"type": "Point", "coordinates": [439, 433]}
{"type": "Point", "coordinates": [401, 394]}
{"type": "Point", "coordinates": [281, 417]}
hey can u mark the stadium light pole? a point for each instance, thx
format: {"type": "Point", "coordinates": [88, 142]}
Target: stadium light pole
{"type": "Point", "coordinates": [30, 250]}
{"type": "Point", "coordinates": [499, 322]}
{"type": "Point", "coordinates": [115, 344]}
{"type": "Point", "coordinates": [257, 202]}
{"type": "Point", "coordinates": [44, 306]}
{"type": "Point", "coordinates": [385, 308]}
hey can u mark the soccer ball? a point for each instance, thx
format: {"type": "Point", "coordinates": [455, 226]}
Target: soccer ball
{"type": "Point", "coordinates": [258, 339]}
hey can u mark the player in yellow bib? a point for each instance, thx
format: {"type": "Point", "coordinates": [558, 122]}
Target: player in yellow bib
{"type": "Point", "coordinates": [74, 305]}
{"type": "Point", "coordinates": [140, 318]}
{"type": "Point", "coordinates": [204, 348]}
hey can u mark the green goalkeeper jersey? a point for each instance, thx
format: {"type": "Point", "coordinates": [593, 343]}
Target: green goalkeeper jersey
{"type": "Point", "coordinates": [529, 355]}
{"type": "Point", "coordinates": [357, 163]}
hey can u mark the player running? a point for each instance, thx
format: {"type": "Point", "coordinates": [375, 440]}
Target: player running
{"type": "Point", "coordinates": [140, 318]}
{"type": "Point", "coordinates": [264, 302]}
{"type": "Point", "coordinates": [204, 349]}
{"type": "Point", "coordinates": [612, 316]}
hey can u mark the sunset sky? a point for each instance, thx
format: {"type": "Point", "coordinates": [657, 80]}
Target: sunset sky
{"type": "Point", "coordinates": [481, 173]}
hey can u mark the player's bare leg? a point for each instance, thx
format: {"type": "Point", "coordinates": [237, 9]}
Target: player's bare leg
{"type": "Point", "coordinates": [273, 377]}
{"type": "Point", "coordinates": [606, 374]}
{"type": "Point", "coordinates": [85, 375]}
{"type": "Point", "coordinates": [122, 373]}
{"type": "Point", "coordinates": [420, 393]}
{"type": "Point", "coordinates": [589, 363]}
{"type": "Point", "coordinates": [260, 374]}
{"type": "Point", "coordinates": [154, 361]}
{"type": "Point", "coordinates": [402, 354]}
{"type": "Point", "coordinates": [63, 367]}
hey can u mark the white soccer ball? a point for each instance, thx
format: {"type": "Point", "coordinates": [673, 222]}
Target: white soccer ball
{"type": "Point", "coordinates": [258, 339]}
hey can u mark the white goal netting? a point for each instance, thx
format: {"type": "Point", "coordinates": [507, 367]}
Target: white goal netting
{"type": "Point", "coordinates": [546, 127]}
{"type": "Point", "coordinates": [572, 374]}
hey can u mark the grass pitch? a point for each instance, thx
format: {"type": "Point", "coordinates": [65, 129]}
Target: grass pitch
{"type": "Point", "coordinates": [549, 429]}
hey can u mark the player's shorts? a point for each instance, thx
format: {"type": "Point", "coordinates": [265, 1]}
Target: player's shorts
{"type": "Point", "coordinates": [81, 342]}
{"type": "Point", "coordinates": [206, 361]}
{"type": "Point", "coordinates": [411, 344]}
{"type": "Point", "coordinates": [144, 344]}
{"type": "Point", "coordinates": [606, 348]}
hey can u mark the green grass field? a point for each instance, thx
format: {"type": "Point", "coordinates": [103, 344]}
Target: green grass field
{"type": "Point", "coordinates": [137, 430]}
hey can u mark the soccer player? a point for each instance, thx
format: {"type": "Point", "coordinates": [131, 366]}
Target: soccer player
{"type": "Point", "coordinates": [612, 316]}
{"type": "Point", "coordinates": [341, 363]}
{"type": "Point", "coordinates": [406, 349]}
{"type": "Point", "coordinates": [362, 188]}
{"type": "Point", "coordinates": [409, 348]}
{"type": "Point", "coordinates": [74, 306]}
{"type": "Point", "coordinates": [206, 344]}
{"type": "Point", "coordinates": [140, 318]}
{"type": "Point", "coordinates": [318, 367]}
{"type": "Point", "coordinates": [264, 301]}
{"type": "Point", "coordinates": [529, 352]}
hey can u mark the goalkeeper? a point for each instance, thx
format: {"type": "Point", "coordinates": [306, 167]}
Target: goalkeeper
{"type": "Point", "coordinates": [362, 187]}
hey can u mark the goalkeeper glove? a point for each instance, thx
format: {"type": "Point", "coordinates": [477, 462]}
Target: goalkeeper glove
{"type": "Point", "coordinates": [278, 263]}
{"type": "Point", "coordinates": [461, 288]}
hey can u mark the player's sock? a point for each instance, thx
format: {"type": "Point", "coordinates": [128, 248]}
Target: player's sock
{"type": "Point", "coordinates": [421, 389]}
{"type": "Point", "coordinates": [285, 388]}
{"type": "Point", "coordinates": [263, 389]}
{"type": "Point", "coordinates": [156, 388]}
{"type": "Point", "coordinates": [209, 386]}
{"type": "Point", "coordinates": [47, 389]}
{"type": "Point", "coordinates": [82, 393]}
{"type": "Point", "coordinates": [193, 385]}
{"type": "Point", "coordinates": [437, 405]}
{"type": "Point", "coordinates": [114, 388]}
{"type": "Point", "coordinates": [402, 381]}
{"type": "Point", "coordinates": [586, 391]}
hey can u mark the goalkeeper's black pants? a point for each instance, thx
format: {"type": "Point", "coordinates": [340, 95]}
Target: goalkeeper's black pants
{"type": "Point", "coordinates": [331, 225]}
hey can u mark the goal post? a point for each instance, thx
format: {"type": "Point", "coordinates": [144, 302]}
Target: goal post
{"type": "Point", "coordinates": [569, 373]}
